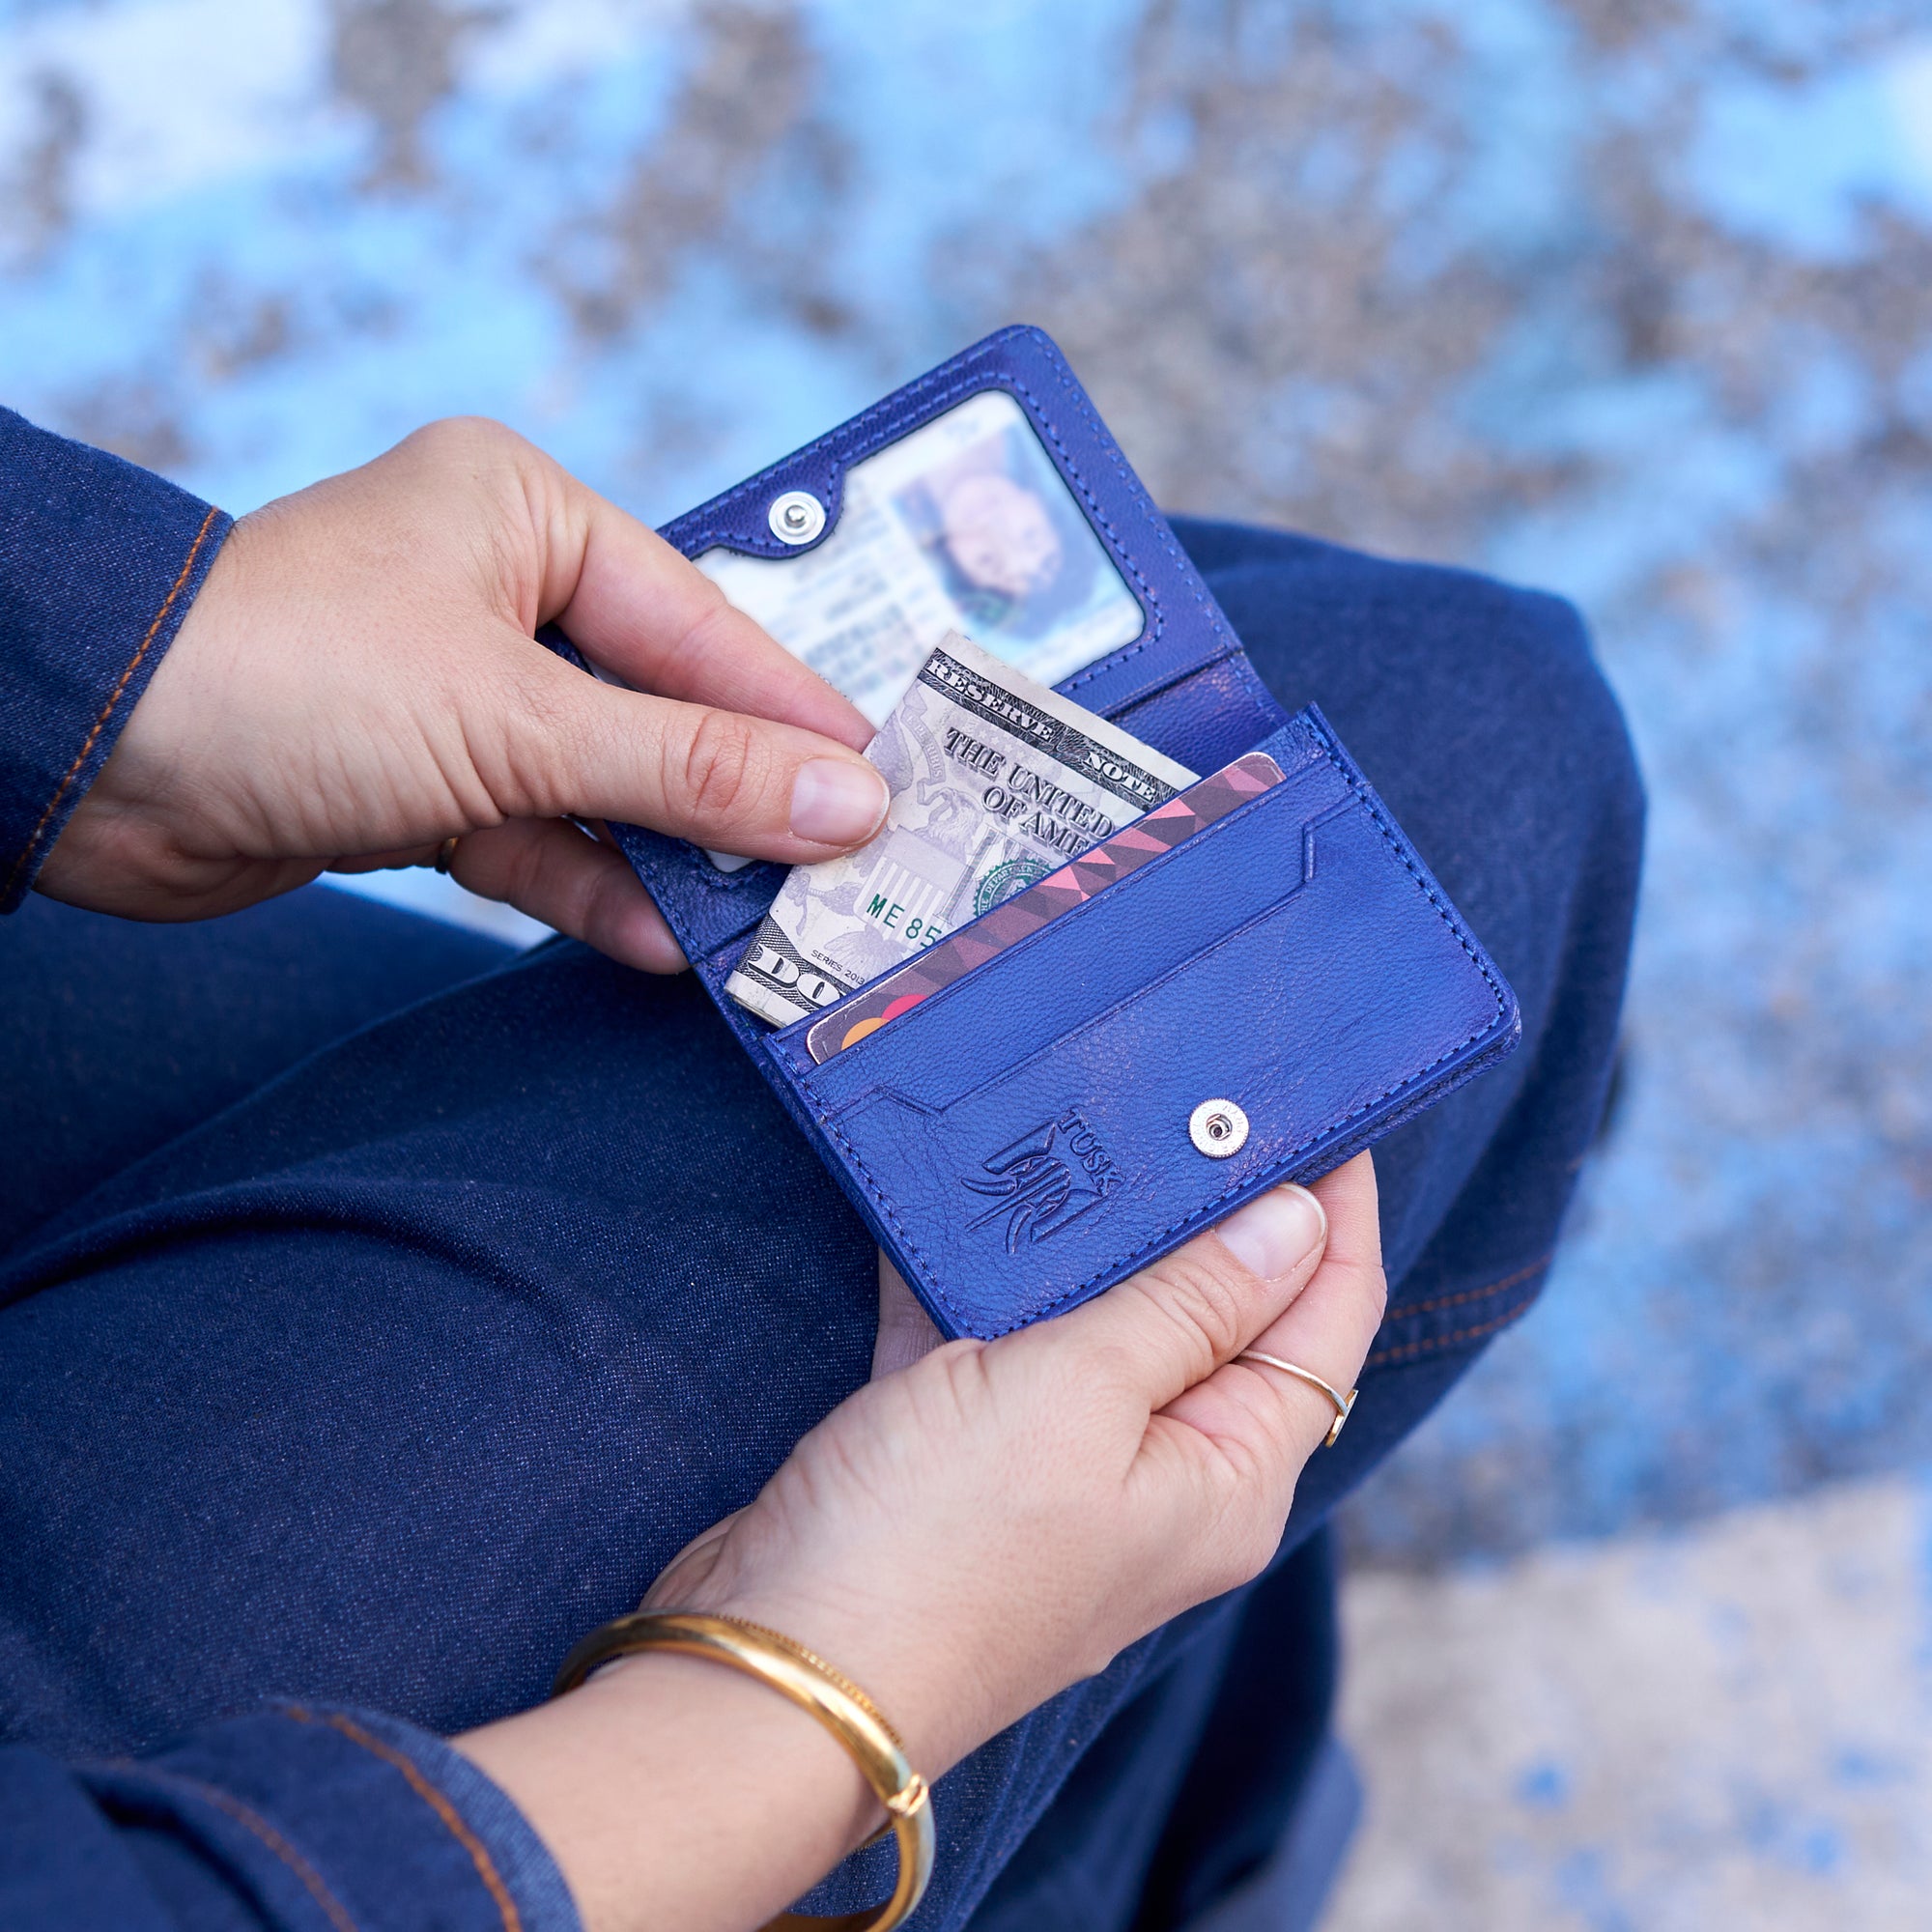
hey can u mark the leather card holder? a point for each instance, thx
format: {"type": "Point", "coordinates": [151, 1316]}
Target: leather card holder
{"type": "Point", "coordinates": [1020, 1141]}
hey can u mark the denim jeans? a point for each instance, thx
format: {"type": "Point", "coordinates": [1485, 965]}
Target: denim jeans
{"type": "Point", "coordinates": [379, 1311]}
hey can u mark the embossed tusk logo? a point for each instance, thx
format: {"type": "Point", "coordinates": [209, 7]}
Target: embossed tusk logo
{"type": "Point", "coordinates": [1045, 1179]}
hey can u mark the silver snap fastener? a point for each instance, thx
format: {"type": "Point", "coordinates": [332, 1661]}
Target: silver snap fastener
{"type": "Point", "coordinates": [796, 517]}
{"type": "Point", "coordinates": [1218, 1129]}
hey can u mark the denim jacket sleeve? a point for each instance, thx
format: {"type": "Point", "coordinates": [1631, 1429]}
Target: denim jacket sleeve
{"type": "Point", "coordinates": [98, 563]}
{"type": "Point", "coordinates": [299, 1819]}
{"type": "Point", "coordinates": [289, 1820]}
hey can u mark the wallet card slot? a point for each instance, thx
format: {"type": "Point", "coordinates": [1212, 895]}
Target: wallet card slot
{"type": "Point", "coordinates": [1294, 747]}
{"type": "Point", "coordinates": [1089, 958]}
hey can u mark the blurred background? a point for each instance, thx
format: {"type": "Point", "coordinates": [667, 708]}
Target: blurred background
{"type": "Point", "coordinates": [1631, 299]}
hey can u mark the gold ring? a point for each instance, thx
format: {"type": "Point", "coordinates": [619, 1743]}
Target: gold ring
{"type": "Point", "coordinates": [1343, 1402]}
{"type": "Point", "coordinates": [446, 855]}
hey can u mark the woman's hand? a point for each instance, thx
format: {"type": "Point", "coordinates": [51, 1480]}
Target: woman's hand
{"type": "Point", "coordinates": [963, 1537]}
{"type": "Point", "coordinates": [358, 681]}
{"type": "Point", "coordinates": [978, 1531]}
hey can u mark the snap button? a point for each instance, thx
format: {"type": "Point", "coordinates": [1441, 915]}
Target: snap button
{"type": "Point", "coordinates": [1218, 1129]}
{"type": "Point", "coordinates": [796, 517]}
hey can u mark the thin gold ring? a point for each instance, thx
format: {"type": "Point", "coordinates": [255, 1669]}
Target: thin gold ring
{"type": "Point", "coordinates": [1343, 1402]}
{"type": "Point", "coordinates": [445, 854]}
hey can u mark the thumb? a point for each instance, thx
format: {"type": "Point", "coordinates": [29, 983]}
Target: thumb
{"type": "Point", "coordinates": [1177, 1321]}
{"type": "Point", "coordinates": [719, 778]}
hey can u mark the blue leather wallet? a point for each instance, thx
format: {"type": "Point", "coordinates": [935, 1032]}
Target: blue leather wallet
{"type": "Point", "coordinates": [1291, 975]}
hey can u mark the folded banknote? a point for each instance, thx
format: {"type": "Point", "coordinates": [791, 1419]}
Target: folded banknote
{"type": "Point", "coordinates": [996, 782]}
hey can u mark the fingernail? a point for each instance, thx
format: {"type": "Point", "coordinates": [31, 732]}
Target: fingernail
{"type": "Point", "coordinates": [1269, 1235]}
{"type": "Point", "coordinates": [838, 800]}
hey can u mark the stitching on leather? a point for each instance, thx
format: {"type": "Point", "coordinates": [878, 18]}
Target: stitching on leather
{"type": "Point", "coordinates": [446, 1812]}
{"type": "Point", "coordinates": [1132, 1255]}
{"type": "Point", "coordinates": [1424, 1348]}
{"type": "Point", "coordinates": [1153, 1242]}
{"type": "Point", "coordinates": [932, 386]}
{"type": "Point", "coordinates": [312, 1880]}
{"type": "Point", "coordinates": [1444, 910]}
{"type": "Point", "coordinates": [1138, 495]}
{"type": "Point", "coordinates": [1157, 618]}
{"type": "Point", "coordinates": [1470, 1293]}
{"type": "Point", "coordinates": [1163, 531]}
{"type": "Point", "coordinates": [113, 698]}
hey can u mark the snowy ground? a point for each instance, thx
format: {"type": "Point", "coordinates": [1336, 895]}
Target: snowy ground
{"type": "Point", "coordinates": [1725, 1725]}
{"type": "Point", "coordinates": [1630, 299]}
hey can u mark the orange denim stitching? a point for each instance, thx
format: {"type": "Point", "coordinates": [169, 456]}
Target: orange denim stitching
{"type": "Point", "coordinates": [452, 1822]}
{"type": "Point", "coordinates": [113, 698]}
{"type": "Point", "coordinates": [1450, 1341]}
{"type": "Point", "coordinates": [1472, 1294]}
{"type": "Point", "coordinates": [312, 1878]}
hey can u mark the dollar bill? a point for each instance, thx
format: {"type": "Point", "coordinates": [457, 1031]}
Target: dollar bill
{"type": "Point", "coordinates": [996, 782]}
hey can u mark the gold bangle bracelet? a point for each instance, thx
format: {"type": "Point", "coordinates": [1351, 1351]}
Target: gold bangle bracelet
{"type": "Point", "coordinates": [812, 1685]}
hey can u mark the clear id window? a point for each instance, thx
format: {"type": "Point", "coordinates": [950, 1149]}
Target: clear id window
{"type": "Point", "coordinates": [964, 525]}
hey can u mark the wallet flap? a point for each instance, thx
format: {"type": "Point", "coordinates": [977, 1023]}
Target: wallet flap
{"type": "Point", "coordinates": [1021, 1139]}
{"type": "Point", "coordinates": [1182, 684]}
{"type": "Point", "coordinates": [1184, 629]}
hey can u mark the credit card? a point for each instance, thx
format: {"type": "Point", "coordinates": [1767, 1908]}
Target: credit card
{"type": "Point", "coordinates": [1159, 831]}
